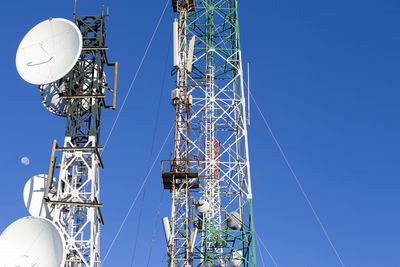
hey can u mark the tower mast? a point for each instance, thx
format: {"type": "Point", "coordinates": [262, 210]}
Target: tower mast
{"type": "Point", "coordinates": [75, 195]}
{"type": "Point", "coordinates": [180, 175]}
{"type": "Point", "coordinates": [217, 228]}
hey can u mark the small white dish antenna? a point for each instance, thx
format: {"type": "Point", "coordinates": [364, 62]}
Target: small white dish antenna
{"type": "Point", "coordinates": [49, 51]}
{"type": "Point", "coordinates": [236, 260]}
{"type": "Point", "coordinates": [34, 197]}
{"type": "Point", "coordinates": [32, 241]}
{"type": "Point", "coordinates": [51, 100]}
{"type": "Point", "coordinates": [234, 221]}
{"type": "Point", "coordinates": [202, 206]}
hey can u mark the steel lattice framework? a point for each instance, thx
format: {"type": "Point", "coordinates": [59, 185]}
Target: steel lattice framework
{"type": "Point", "coordinates": [75, 195]}
{"type": "Point", "coordinates": [211, 131]}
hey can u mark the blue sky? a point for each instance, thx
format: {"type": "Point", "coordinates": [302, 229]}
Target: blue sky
{"type": "Point", "coordinates": [326, 76]}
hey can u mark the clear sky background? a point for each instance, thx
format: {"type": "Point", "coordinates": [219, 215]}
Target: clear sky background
{"type": "Point", "coordinates": [326, 76]}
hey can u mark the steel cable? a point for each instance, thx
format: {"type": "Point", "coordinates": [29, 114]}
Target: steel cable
{"type": "Point", "coordinates": [155, 228]}
{"type": "Point", "coordinates": [137, 195]}
{"type": "Point", "coordinates": [134, 78]}
{"type": "Point", "coordinates": [298, 182]}
{"type": "Point", "coordinates": [155, 129]}
{"type": "Point", "coordinates": [116, 120]}
{"type": "Point", "coordinates": [259, 251]}
{"type": "Point", "coordinates": [265, 248]}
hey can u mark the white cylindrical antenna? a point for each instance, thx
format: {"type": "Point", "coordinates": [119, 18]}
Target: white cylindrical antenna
{"type": "Point", "coordinates": [189, 62]}
{"type": "Point", "coordinates": [175, 32]}
{"type": "Point", "coordinates": [167, 229]}
{"type": "Point", "coordinates": [248, 93]}
{"type": "Point", "coordinates": [193, 234]}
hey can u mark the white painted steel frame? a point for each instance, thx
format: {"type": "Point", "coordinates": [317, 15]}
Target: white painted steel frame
{"type": "Point", "coordinates": [79, 182]}
{"type": "Point", "coordinates": [179, 246]}
{"type": "Point", "coordinates": [218, 115]}
{"type": "Point", "coordinates": [216, 134]}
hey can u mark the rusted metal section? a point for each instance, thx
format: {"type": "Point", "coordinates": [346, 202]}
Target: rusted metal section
{"type": "Point", "coordinates": [78, 204]}
{"type": "Point", "coordinates": [179, 5]}
{"type": "Point", "coordinates": [114, 88]}
{"type": "Point", "coordinates": [80, 96]}
{"type": "Point", "coordinates": [87, 48]}
{"type": "Point", "coordinates": [189, 177]}
{"type": "Point", "coordinates": [50, 173]}
{"type": "Point", "coordinates": [212, 152]}
{"type": "Point", "coordinates": [181, 174]}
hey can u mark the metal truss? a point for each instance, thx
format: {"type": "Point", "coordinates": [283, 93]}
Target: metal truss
{"type": "Point", "coordinates": [87, 82]}
{"type": "Point", "coordinates": [75, 195]}
{"type": "Point", "coordinates": [215, 134]}
{"type": "Point", "coordinates": [181, 175]}
{"type": "Point", "coordinates": [76, 199]}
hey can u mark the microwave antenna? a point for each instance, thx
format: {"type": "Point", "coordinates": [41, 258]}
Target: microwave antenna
{"type": "Point", "coordinates": [67, 60]}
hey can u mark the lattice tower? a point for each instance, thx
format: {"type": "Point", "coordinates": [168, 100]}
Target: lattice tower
{"type": "Point", "coordinates": [75, 195]}
{"type": "Point", "coordinates": [213, 219]}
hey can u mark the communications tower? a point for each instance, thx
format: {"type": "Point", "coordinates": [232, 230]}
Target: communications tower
{"type": "Point", "coordinates": [74, 196]}
{"type": "Point", "coordinates": [211, 221]}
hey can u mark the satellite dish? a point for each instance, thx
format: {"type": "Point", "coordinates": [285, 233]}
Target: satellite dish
{"type": "Point", "coordinates": [49, 51]}
{"type": "Point", "coordinates": [202, 206]}
{"type": "Point", "coordinates": [50, 93]}
{"type": "Point", "coordinates": [34, 197]}
{"type": "Point", "coordinates": [32, 241]}
{"type": "Point", "coordinates": [51, 100]}
{"type": "Point", "coordinates": [236, 260]}
{"type": "Point", "coordinates": [234, 221]}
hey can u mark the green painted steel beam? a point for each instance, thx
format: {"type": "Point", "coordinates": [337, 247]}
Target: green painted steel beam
{"type": "Point", "coordinates": [215, 23]}
{"type": "Point", "coordinates": [87, 79]}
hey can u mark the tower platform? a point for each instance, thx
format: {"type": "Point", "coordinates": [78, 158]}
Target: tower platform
{"type": "Point", "coordinates": [180, 173]}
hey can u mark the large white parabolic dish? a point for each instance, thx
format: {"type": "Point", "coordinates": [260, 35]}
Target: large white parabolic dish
{"type": "Point", "coordinates": [32, 241]}
{"type": "Point", "coordinates": [34, 197]}
{"type": "Point", "coordinates": [49, 51]}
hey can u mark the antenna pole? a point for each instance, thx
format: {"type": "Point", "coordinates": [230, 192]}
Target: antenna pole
{"type": "Point", "coordinates": [74, 8]}
{"type": "Point", "coordinates": [180, 175]}
{"type": "Point", "coordinates": [248, 93]}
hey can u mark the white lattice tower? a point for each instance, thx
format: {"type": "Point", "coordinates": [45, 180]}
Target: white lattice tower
{"type": "Point", "coordinates": [182, 163]}
{"type": "Point", "coordinates": [77, 214]}
{"type": "Point", "coordinates": [215, 133]}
